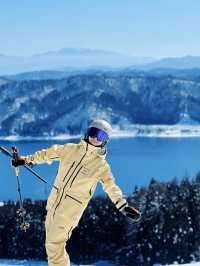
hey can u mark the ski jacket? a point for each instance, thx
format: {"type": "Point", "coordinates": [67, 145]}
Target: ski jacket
{"type": "Point", "coordinates": [81, 167]}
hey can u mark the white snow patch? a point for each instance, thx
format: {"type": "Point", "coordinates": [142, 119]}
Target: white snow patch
{"type": "Point", "coordinates": [45, 91]}
{"type": "Point", "coordinates": [134, 85]}
{"type": "Point", "coordinates": [98, 92]}
{"type": "Point", "coordinates": [127, 131]}
{"type": "Point", "coordinates": [186, 120]}
{"type": "Point", "coordinates": [162, 131]}
{"type": "Point", "coordinates": [189, 264]}
{"type": "Point", "coordinates": [28, 138]}
{"type": "Point", "coordinates": [157, 131]}
{"type": "Point", "coordinates": [28, 117]}
{"type": "Point", "coordinates": [18, 101]}
{"type": "Point", "coordinates": [6, 262]}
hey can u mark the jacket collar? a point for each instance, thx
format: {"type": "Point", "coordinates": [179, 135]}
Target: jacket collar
{"type": "Point", "coordinates": [92, 149]}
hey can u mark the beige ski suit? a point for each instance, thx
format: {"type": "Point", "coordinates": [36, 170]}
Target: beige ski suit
{"type": "Point", "coordinates": [81, 167]}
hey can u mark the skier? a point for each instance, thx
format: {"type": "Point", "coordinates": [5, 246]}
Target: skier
{"type": "Point", "coordinates": [81, 167]}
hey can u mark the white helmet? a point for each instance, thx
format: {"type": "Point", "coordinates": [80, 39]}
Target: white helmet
{"type": "Point", "coordinates": [103, 125]}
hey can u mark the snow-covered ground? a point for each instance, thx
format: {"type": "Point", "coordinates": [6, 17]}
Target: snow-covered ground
{"type": "Point", "coordinates": [189, 264]}
{"type": "Point", "coordinates": [5, 262]}
{"type": "Point", "coordinates": [154, 131]}
{"type": "Point", "coordinates": [159, 131]}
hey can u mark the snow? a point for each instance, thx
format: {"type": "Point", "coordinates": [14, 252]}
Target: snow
{"type": "Point", "coordinates": [58, 137]}
{"type": "Point", "coordinates": [158, 131]}
{"type": "Point", "coordinates": [6, 262]}
{"type": "Point", "coordinates": [136, 130]}
{"type": "Point", "coordinates": [18, 102]}
{"type": "Point", "coordinates": [28, 117]}
{"type": "Point", "coordinates": [189, 264]}
{"type": "Point", "coordinates": [45, 91]}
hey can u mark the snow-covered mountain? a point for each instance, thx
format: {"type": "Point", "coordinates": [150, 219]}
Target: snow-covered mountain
{"type": "Point", "coordinates": [186, 74]}
{"type": "Point", "coordinates": [68, 59]}
{"type": "Point", "coordinates": [185, 62]}
{"type": "Point", "coordinates": [55, 107]}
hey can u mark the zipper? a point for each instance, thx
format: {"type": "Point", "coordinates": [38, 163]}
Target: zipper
{"type": "Point", "coordinates": [76, 176]}
{"type": "Point", "coordinates": [67, 195]}
{"type": "Point", "coordinates": [67, 183]}
{"type": "Point", "coordinates": [68, 171]}
{"type": "Point", "coordinates": [75, 169]}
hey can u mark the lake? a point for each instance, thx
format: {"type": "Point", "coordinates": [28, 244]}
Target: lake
{"type": "Point", "coordinates": [134, 161]}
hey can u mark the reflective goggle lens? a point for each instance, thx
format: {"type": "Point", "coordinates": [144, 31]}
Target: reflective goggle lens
{"type": "Point", "coordinates": [98, 133]}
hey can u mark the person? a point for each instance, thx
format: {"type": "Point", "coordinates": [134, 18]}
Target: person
{"type": "Point", "coordinates": [81, 167]}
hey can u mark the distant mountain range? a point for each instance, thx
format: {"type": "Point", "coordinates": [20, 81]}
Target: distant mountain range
{"type": "Point", "coordinates": [186, 62]}
{"type": "Point", "coordinates": [68, 59]}
{"type": "Point", "coordinates": [73, 60]}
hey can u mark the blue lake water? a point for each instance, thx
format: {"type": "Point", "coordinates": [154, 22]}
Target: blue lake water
{"type": "Point", "coordinates": [134, 161]}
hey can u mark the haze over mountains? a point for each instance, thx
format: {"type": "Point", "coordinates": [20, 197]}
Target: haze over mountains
{"type": "Point", "coordinates": [74, 59]}
{"type": "Point", "coordinates": [68, 59]}
{"type": "Point", "coordinates": [186, 62]}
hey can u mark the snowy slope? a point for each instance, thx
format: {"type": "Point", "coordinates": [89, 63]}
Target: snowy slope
{"type": "Point", "coordinates": [189, 264]}
{"type": "Point", "coordinates": [4, 262]}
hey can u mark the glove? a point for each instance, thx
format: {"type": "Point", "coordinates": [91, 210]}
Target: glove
{"type": "Point", "coordinates": [132, 214]}
{"type": "Point", "coordinates": [18, 162]}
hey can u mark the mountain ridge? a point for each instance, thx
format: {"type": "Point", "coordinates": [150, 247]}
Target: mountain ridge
{"type": "Point", "coordinates": [65, 106]}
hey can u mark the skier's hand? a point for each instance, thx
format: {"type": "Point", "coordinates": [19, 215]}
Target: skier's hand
{"type": "Point", "coordinates": [132, 214]}
{"type": "Point", "coordinates": [20, 161]}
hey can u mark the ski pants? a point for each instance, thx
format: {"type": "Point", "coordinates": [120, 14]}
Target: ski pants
{"type": "Point", "coordinates": [59, 226]}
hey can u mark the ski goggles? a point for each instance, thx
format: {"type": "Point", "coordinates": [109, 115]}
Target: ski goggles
{"type": "Point", "coordinates": [98, 133]}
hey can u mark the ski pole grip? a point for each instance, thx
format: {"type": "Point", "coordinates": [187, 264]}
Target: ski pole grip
{"type": "Point", "coordinates": [15, 153]}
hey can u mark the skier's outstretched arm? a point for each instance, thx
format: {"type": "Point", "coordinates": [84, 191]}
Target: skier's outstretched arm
{"type": "Point", "coordinates": [115, 194]}
{"type": "Point", "coordinates": [44, 156]}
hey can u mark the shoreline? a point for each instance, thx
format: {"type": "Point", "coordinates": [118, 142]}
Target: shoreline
{"type": "Point", "coordinates": [129, 131]}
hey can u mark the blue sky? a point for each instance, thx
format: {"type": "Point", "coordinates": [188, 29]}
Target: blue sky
{"type": "Point", "coordinates": [158, 28]}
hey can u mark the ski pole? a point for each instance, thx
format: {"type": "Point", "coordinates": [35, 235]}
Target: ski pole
{"type": "Point", "coordinates": [8, 153]}
{"type": "Point", "coordinates": [21, 211]}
